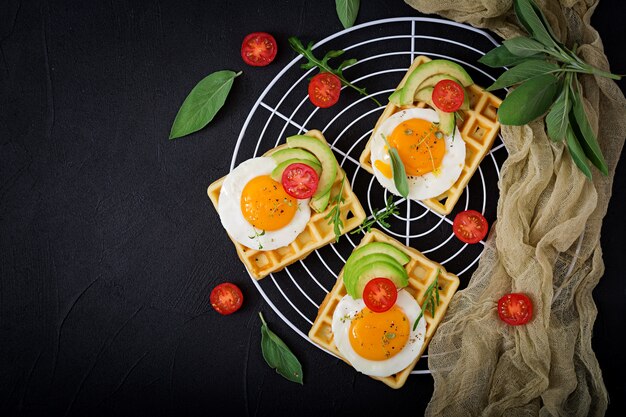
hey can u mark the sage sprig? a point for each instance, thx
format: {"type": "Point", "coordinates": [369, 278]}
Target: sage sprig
{"type": "Point", "coordinates": [347, 10]}
{"type": "Point", "coordinates": [324, 66]}
{"type": "Point", "coordinates": [278, 356]}
{"type": "Point", "coordinates": [203, 103]}
{"type": "Point", "coordinates": [398, 171]}
{"type": "Point", "coordinates": [545, 71]}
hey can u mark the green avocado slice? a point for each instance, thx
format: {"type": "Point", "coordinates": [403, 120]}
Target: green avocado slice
{"type": "Point", "coordinates": [428, 69]}
{"type": "Point", "coordinates": [324, 154]}
{"type": "Point", "coordinates": [432, 81]}
{"type": "Point", "coordinates": [446, 120]}
{"type": "Point", "coordinates": [376, 265]}
{"type": "Point", "coordinates": [288, 153]}
{"type": "Point", "coordinates": [277, 173]}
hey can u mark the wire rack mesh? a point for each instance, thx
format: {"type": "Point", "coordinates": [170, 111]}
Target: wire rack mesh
{"type": "Point", "coordinates": [384, 49]}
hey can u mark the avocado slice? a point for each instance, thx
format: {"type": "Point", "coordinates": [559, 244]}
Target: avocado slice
{"type": "Point", "coordinates": [362, 253]}
{"type": "Point", "coordinates": [446, 120]}
{"type": "Point", "coordinates": [288, 153]}
{"type": "Point", "coordinates": [324, 154]}
{"type": "Point", "coordinates": [395, 97]}
{"type": "Point", "coordinates": [320, 203]}
{"type": "Point", "coordinates": [277, 173]}
{"type": "Point", "coordinates": [432, 81]}
{"type": "Point", "coordinates": [428, 69]}
{"type": "Point", "coordinates": [373, 266]}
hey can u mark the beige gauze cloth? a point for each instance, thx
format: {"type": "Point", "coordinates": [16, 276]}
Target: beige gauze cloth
{"type": "Point", "coordinates": [545, 243]}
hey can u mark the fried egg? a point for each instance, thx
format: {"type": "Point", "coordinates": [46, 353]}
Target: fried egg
{"type": "Point", "coordinates": [378, 344]}
{"type": "Point", "coordinates": [256, 211]}
{"type": "Point", "coordinates": [433, 161]}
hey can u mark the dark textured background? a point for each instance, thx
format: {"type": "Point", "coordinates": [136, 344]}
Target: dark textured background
{"type": "Point", "coordinates": [110, 247]}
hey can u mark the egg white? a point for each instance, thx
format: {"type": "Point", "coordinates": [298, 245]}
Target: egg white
{"type": "Point", "coordinates": [430, 184]}
{"type": "Point", "coordinates": [348, 308]}
{"type": "Point", "coordinates": [239, 229]}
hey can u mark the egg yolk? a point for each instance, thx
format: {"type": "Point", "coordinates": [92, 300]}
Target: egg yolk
{"type": "Point", "coordinates": [379, 336]}
{"type": "Point", "coordinates": [266, 205]}
{"type": "Point", "coordinates": [419, 147]}
{"type": "Point", "coordinates": [384, 168]}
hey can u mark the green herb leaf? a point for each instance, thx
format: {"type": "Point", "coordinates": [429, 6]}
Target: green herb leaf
{"type": "Point", "coordinates": [528, 101]}
{"type": "Point", "coordinates": [523, 72]}
{"type": "Point", "coordinates": [203, 103]}
{"type": "Point", "coordinates": [278, 356]}
{"type": "Point", "coordinates": [397, 168]}
{"type": "Point", "coordinates": [557, 119]}
{"type": "Point", "coordinates": [577, 153]}
{"type": "Point", "coordinates": [429, 299]}
{"type": "Point", "coordinates": [583, 131]}
{"type": "Point", "coordinates": [502, 57]}
{"type": "Point", "coordinates": [347, 10]}
{"type": "Point", "coordinates": [334, 215]}
{"type": "Point", "coordinates": [528, 17]}
{"type": "Point", "coordinates": [379, 216]}
{"type": "Point", "coordinates": [524, 47]}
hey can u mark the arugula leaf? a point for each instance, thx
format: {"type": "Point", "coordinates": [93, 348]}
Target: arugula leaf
{"type": "Point", "coordinates": [334, 215]}
{"type": "Point", "coordinates": [523, 72]}
{"type": "Point", "coordinates": [576, 152]}
{"type": "Point", "coordinates": [523, 46]}
{"type": "Point", "coordinates": [347, 10]}
{"type": "Point", "coordinates": [324, 66]}
{"type": "Point", "coordinates": [278, 356]}
{"type": "Point", "coordinates": [378, 216]}
{"type": "Point", "coordinates": [502, 57]}
{"type": "Point", "coordinates": [528, 101]}
{"type": "Point", "coordinates": [582, 129]}
{"type": "Point", "coordinates": [203, 103]}
{"type": "Point", "coordinates": [429, 299]}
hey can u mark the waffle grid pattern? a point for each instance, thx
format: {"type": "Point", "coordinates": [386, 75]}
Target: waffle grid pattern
{"type": "Point", "coordinates": [479, 129]}
{"type": "Point", "coordinates": [317, 233]}
{"type": "Point", "coordinates": [422, 272]}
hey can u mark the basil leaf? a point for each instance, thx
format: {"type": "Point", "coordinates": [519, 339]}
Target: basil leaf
{"type": "Point", "coordinates": [528, 101]}
{"type": "Point", "coordinates": [523, 72]}
{"type": "Point", "coordinates": [577, 153]}
{"type": "Point", "coordinates": [347, 10]}
{"type": "Point", "coordinates": [278, 356]}
{"type": "Point", "coordinates": [557, 119]}
{"type": "Point", "coordinates": [203, 103]}
{"type": "Point", "coordinates": [583, 130]}
{"type": "Point", "coordinates": [523, 46]}
{"type": "Point", "coordinates": [528, 17]}
{"type": "Point", "coordinates": [502, 57]}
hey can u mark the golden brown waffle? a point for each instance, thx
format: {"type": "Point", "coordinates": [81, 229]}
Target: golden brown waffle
{"type": "Point", "coordinates": [317, 233]}
{"type": "Point", "coordinates": [479, 129]}
{"type": "Point", "coordinates": [422, 272]}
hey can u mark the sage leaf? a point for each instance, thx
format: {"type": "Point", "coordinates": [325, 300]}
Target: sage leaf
{"type": "Point", "coordinates": [557, 119]}
{"type": "Point", "coordinates": [398, 171]}
{"type": "Point", "coordinates": [523, 72]}
{"type": "Point", "coordinates": [203, 103]}
{"type": "Point", "coordinates": [502, 57]}
{"type": "Point", "coordinates": [577, 153]}
{"type": "Point", "coordinates": [278, 356]}
{"type": "Point", "coordinates": [347, 10]}
{"type": "Point", "coordinates": [528, 17]}
{"type": "Point", "coordinates": [583, 130]}
{"type": "Point", "coordinates": [528, 101]}
{"type": "Point", "coordinates": [523, 46]}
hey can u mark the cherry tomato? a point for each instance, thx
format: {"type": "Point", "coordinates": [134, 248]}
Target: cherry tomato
{"type": "Point", "coordinates": [300, 180]}
{"type": "Point", "coordinates": [515, 309]}
{"type": "Point", "coordinates": [258, 49]}
{"type": "Point", "coordinates": [448, 96]}
{"type": "Point", "coordinates": [324, 89]}
{"type": "Point", "coordinates": [470, 226]}
{"type": "Point", "coordinates": [380, 294]}
{"type": "Point", "coordinates": [226, 298]}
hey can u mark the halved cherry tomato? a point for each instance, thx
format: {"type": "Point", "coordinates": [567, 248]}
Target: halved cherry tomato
{"type": "Point", "coordinates": [258, 49]}
{"type": "Point", "coordinates": [300, 180]}
{"type": "Point", "coordinates": [226, 298]}
{"type": "Point", "coordinates": [470, 226]}
{"type": "Point", "coordinates": [515, 309]}
{"type": "Point", "coordinates": [380, 294]}
{"type": "Point", "coordinates": [448, 96]}
{"type": "Point", "coordinates": [324, 89]}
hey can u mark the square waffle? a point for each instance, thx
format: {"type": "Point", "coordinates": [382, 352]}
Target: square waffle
{"type": "Point", "coordinates": [422, 272]}
{"type": "Point", "coordinates": [479, 129]}
{"type": "Point", "coordinates": [317, 233]}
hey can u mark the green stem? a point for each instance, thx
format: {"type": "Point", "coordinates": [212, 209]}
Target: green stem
{"type": "Point", "coordinates": [262, 319]}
